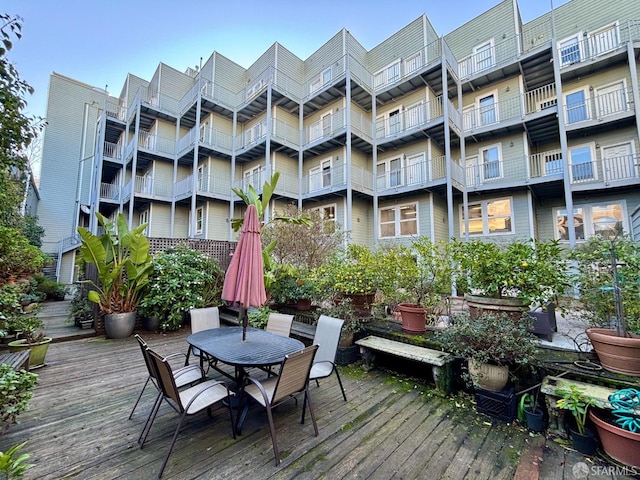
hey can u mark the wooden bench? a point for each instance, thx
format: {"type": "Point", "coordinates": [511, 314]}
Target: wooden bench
{"type": "Point", "coordinates": [17, 360]}
{"type": "Point", "coordinates": [557, 415]}
{"type": "Point", "coordinates": [440, 361]}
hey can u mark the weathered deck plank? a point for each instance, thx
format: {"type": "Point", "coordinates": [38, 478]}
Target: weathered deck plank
{"type": "Point", "coordinates": [77, 428]}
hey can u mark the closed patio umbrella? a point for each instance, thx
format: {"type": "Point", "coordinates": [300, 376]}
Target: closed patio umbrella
{"type": "Point", "coordinates": [244, 279]}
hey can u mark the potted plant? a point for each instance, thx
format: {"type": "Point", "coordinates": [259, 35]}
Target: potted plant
{"type": "Point", "coordinates": [294, 287]}
{"type": "Point", "coordinates": [182, 279]}
{"type": "Point", "coordinates": [30, 337]}
{"type": "Point", "coordinates": [491, 343]}
{"type": "Point", "coordinates": [10, 308]}
{"type": "Point", "coordinates": [123, 263]}
{"type": "Point", "coordinates": [16, 389]}
{"type": "Point", "coordinates": [529, 411]}
{"type": "Point", "coordinates": [353, 323]}
{"type": "Point", "coordinates": [510, 277]}
{"type": "Point", "coordinates": [607, 275]}
{"type": "Point", "coordinates": [420, 277]}
{"type": "Point", "coordinates": [577, 402]}
{"type": "Point", "coordinates": [351, 273]}
{"type": "Point", "coordinates": [619, 430]}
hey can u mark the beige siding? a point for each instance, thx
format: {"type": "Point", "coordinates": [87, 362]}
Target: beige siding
{"type": "Point", "coordinates": [325, 56]}
{"type": "Point", "coordinates": [229, 74]}
{"type": "Point", "coordinates": [174, 83]}
{"type": "Point", "coordinates": [181, 226]}
{"type": "Point", "coordinates": [440, 219]}
{"type": "Point", "coordinates": [217, 221]}
{"type": "Point", "coordinates": [159, 220]}
{"type": "Point", "coordinates": [587, 15]}
{"type": "Point", "coordinates": [361, 223]}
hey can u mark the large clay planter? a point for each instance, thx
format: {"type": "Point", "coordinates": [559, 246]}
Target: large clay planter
{"type": "Point", "coordinates": [38, 351]}
{"type": "Point", "coordinates": [617, 354]}
{"type": "Point", "coordinates": [119, 325]}
{"type": "Point", "coordinates": [510, 306]}
{"type": "Point", "coordinates": [621, 445]}
{"type": "Point", "coordinates": [413, 318]}
{"type": "Point", "coordinates": [488, 376]}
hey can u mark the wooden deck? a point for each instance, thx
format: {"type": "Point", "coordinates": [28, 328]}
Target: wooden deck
{"type": "Point", "coordinates": [390, 427]}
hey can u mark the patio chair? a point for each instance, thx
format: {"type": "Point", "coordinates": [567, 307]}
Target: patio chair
{"type": "Point", "coordinates": [327, 337]}
{"type": "Point", "coordinates": [186, 402]}
{"type": "Point", "coordinates": [293, 379]}
{"type": "Point", "coordinates": [183, 376]}
{"type": "Point", "coordinates": [203, 319]}
{"type": "Point", "coordinates": [280, 324]}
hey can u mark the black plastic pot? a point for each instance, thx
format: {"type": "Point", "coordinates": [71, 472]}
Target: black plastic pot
{"type": "Point", "coordinates": [586, 443]}
{"type": "Point", "coordinates": [535, 419]}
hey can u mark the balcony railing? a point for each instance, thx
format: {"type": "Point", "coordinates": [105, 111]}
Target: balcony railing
{"type": "Point", "coordinates": [540, 98]}
{"type": "Point", "coordinates": [119, 112]}
{"type": "Point", "coordinates": [336, 179]}
{"type": "Point", "coordinates": [159, 101]}
{"type": "Point", "coordinates": [156, 143]}
{"type": "Point", "coordinates": [579, 108]}
{"type": "Point", "coordinates": [413, 118]}
{"type": "Point", "coordinates": [145, 185]}
{"type": "Point", "coordinates": [215, 139]}
{"type": "Point", "coordinates": [113, 150]}
{"type": "Point", "coordinates": [487, 58]}
{"type": "Point", "coordinates": [325, 128]}
{"type": "Point", "coordinates": [605, 170]}
{"type": "Point", "coordinates": [415, 175]}
{"type": "Point", "coordinates": [582, 48]}
{"type": "Point", "coordinates": [475, 118]}
{"type": "Point", "coordinates": [110, 191]}
{"type": "Point", "coordinates": [546, 163]}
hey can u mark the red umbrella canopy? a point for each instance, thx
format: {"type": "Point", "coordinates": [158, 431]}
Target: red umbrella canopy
{"type": "Point", "coordinates": [244, 280]}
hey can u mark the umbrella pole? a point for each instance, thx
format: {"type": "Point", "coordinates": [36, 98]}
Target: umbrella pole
{"type": "Point", "coordinates": [244, 318]}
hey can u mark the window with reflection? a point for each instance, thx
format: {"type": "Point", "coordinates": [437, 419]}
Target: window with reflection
{"type": "Point", "coordinates": [490, 217]}
{"type": "Point", "coordinates": [399, 221]}
{"type": "Point", "coordinates": [602, 219]}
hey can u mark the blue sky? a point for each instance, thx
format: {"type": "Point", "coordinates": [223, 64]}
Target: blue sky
{"type": "Point", "coordinates": [98, 43]}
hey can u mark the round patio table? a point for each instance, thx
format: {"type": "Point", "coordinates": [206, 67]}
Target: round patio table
{"type": "Point", "coordinates": [260, 349]}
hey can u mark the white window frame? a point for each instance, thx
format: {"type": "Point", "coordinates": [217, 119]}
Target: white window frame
{"type": "Point", "coordinates": [322, 79]}
{"type": "Point", "coordinates": [620, 97]}
{"type": "Point", "coordinates": [319, 175]}
{"type": "Point", "coordinates": [469, 117]}
{"type": "Point", "coordinates": [485, 217]}
{"type": "Point", "coordinates": [250, 174]}
{"type": "Point", "coordinates": [594, 167]}
{"type": "Point", "coordinates": [397, 221]}
{"type": "Point", "coordinates": [491, 57]}
{"type": "Point", "coordinates": [413, 63]}
{"type": "Point", "coordinates": [587, 111]}
{"type": "Point", "coordinates": [631, 168]}
{"type": "Point", "coordinates": [593, 50]}
{"type": "Point", "coordinates": [201, 178]}
{"type": "Point", "coordinates": [484, 165]}
{"type": "Point", "coordinates": [585, 211]}
{"type": "Point", "coordinates": [415, 171]}
{"type": "Point", "coordinates": [199, 220]}
{"type": "Point", "coordinates": [144, 218]}
{"type": "Point", "coordinates": [385, 181]}
{"type": "Point", "coordinates": [386, 76]}
{"type": "Point", "coordinates": [479, 112]}
{"type": "Point", "coordinates": [578, 37]}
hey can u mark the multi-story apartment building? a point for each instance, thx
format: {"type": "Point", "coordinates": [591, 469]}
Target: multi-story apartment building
{"type": "Point", "coordinates": [498, 129]}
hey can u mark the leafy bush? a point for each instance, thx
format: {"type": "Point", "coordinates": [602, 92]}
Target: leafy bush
{"type": "Point", "coordinates": [50, 289]}
{"type": "Point", "coordinates": [182, 279]}
{"type": "Point", "coordinates": [16, 389]}
{"type": "Point", "coordinates": [258, 318]}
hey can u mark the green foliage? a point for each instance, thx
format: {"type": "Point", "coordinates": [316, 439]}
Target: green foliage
{"type": "Point", "coordinates": [490, 337]}
{"type": "Point", "coordinates": [31, 230]}
{"type": "Point", "coordinates": [182, 279]}
{"type": "Point", "coordinates": [259, 317]}
{"type": "Point", "coordinates": [421, 273]}
{"type": "Point", "coordinates": [574, 400]}
{"type": "Point", "coordinates": [533, 271]}
{"type": "Point", "coordinates": [252, 197]}
{"type": "Point", "coordinates": [16, 389]}
{"type": "Point", "coordinates": [354, 269]}
{"type": "Point", "coordinates": [30, 328]}
{"type": "Point", "coordinates": [17, 255]}
{"type": "Point", "coordinates": [593, 276]}
{"type": "Point", "coordinates": [306, 242]}
{"type": "Point", "coordinates": [293, 284]}
{"type": "Point", "coordinates": [344, 310]}
{"type": "Point", "coordinates": [123, 262]}
{"type": "Point", "coordinates": [13, 463]}
{"type": "Point", "coordinates": [80, 307]}
{"type": "Point", "coordinates": [50, 289]}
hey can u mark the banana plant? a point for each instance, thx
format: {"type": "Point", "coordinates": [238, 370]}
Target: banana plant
{"type": "Point", "coordinates": [123, 262]}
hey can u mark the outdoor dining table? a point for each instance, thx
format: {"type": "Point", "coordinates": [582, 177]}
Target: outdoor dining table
{"type": "Point", "coordinates": [260, 349]}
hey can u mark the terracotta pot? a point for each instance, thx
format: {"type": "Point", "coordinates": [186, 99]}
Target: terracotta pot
{"type": "Point", "coordinates": [361, 302]}
{"type": "Point", "coordinates": [413, 318]}
{"type": "Point", "coordinates": [303, 305]}
{"type": "Point", "coordinates": [488, 376]}
{"type": "Point", "coordinates": [617, 354]}
{"type": "Point", "coordinates": [621, 445]}
{"type": "Point", "coordinates": [514, 307]}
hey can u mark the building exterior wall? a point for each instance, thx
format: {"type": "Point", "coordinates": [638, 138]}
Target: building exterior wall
{"type": "Point", "coordinates": [511, 134]}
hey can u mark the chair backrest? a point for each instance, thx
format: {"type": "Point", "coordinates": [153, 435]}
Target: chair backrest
{"type": "Point", "coordinates": [204, 318]}
{"type": "Point", "coordinates": [280, 324]}
{"type": "Point", "coordinates": [164, 375]}
{"type": "Point", "coordinates": [327, 337]}
{"type": "Point", "coordinates": [294, 373]}
{"type": "Point", "coordinates": [145, 354]}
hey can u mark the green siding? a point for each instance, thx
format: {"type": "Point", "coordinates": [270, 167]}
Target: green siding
{"type": "Point", "coordinates": [401, 44]}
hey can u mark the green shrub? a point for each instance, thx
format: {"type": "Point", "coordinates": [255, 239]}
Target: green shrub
{"type": "Point", "coordinates": [16, 389]}
{"type": "Point", "coordinates": [50, 289]}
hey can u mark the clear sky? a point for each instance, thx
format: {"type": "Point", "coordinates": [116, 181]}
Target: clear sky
{"type": "Point", "coordinates": [98, 43]}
